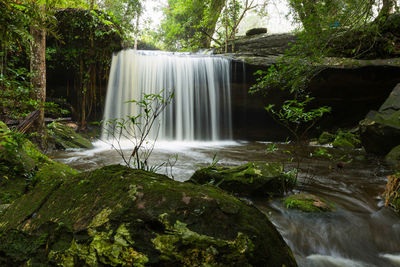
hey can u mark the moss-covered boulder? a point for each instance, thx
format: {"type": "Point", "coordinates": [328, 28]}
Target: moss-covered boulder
{"type": "Point", "coordinates": [254, 178]}
{"type": "Point", "coordinates": [116, 216]}
{"type": "Point", "coordinates": [392, 192]}
{"type": "Point", "coordinates": [22, 165]}
{"type": "Point", "coordinates": [326, 138]}
{"type": "Point", "coordinates": [393, 158]}
{"type": "Point", "coordinates": [346, 140]}
{"type": "Point", "coordinates": [65, 137]}
{"type": "Point", "coordinates": [342, 143]}
{"type": "Point", "coordinates": [380, 131]}
{"type": "Point", "coordinates": [308, 203]}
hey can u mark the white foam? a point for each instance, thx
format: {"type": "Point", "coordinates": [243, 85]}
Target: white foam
{"type": "Point", "coordinates": [326, 260]}
{"type": "Point", "coordinates": [394, 258]}
{"type": "Point", "coordinates": [170, 146]}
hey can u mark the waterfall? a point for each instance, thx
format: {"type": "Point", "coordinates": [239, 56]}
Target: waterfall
{"type": "Point", "coordinates": [200, 108]}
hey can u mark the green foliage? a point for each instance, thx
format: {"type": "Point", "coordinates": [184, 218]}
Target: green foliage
{"type": "Point", "coordinates": [16, 94]}
{"type": "Point", "coordinates": [83, 56]}
{"type": "Point", "coordinates": [18, 156]}
{"type": "Point", "coordinates": [124, 12]}
{"type": "Point", "coordinates": [190, 24]}
{"type": "Point", "coordinates": [297, 117]}
{"type": "Point", "coordinates": [138, 130]}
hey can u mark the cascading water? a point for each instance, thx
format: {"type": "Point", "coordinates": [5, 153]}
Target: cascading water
{"type": "Point", "coordinates": [200, 109]}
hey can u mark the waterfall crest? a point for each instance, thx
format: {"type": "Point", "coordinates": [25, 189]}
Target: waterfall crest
{"type": "Point", "coordinates": [201, 106]}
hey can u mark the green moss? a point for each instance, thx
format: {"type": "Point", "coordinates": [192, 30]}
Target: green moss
{"type": "Point", "coordinates": [187, 248]}
{"type": "Point", "coordinates": [22, 165]}
{"type": "Point", "coordinates": [390, 119]}
{"type": "Point", "coordinates": [326, 138]}
{"type": "Point", "coordinates": [65, 137]}
{"type": "Point", "coordinates": [113, 248]}
{"type": "Point", "coordinates": [254, 178]}
{"type": "Point", "coordinates": [308, 203]}
{"type": "Point", "coordinates": [342, 143]}
{"type": "Point", "coordinates": [122, 215]}
{"type": "Point", "coordinates": [393, 158]}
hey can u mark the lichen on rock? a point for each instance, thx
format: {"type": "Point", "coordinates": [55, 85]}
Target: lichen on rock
{"type": "Point", "coordinates": [188, 248]}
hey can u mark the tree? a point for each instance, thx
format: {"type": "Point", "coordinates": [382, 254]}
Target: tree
{"type": "Point", "coordinates": [126, 13]}
{"type": "Point", "coordinates": [233, 14]}
{"type": "Point", "coordinates": [386, 9]}
{"type": "Point", "coordinates": [190, 24]}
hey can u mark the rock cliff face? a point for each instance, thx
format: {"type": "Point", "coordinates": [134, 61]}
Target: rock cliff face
{"type": "Point", "coordinates": [350, 87]}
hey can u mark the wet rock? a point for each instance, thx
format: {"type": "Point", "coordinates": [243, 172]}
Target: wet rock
{"type": "Point", "coordinates": [256, 31]}
{"type": "Point", "coordinates": [308, 203]}
{"type": "Point", "coordinates": [262, 45]}
{"type": "Point", "coordinates": [65, 137]}
{"type": "Point", "coordinates": [341, 142]}
{"type": "Point", "coordinates": [380, 131]}
{"type": "Point", "coordinates": [393, 158]}
{"type": "Point", "coordinates": [326, 138]}
{"type": "Point", "coordinates": [254, 178]}
{"type": "Point", "coordinates": [346, 140]}
{"type": "Point", "coordinates": [118, 216]}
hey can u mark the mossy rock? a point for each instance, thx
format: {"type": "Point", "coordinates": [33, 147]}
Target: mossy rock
{"type": "Point", "coordinates": [380, 131]}
{"type": "Point", "coordinates": [308, 203]}
{"type": "Point", "coordinates": [326, 138]}
{"type": "Point", "coordinates": [343, 143]}
{"type": "Point", "coordinates": [117, 216]}
{"type": "Point", "coordinates": [393, 158]}
{"type": "Point", "coordinates": [65, 137]}
{"type": "Point", "coordinates": [254, 178]}
{"type": "Point", "coordinates": [22, 165]}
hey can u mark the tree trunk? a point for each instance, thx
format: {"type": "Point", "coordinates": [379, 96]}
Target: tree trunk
{"type": "Point", "coordinates": [387, 9]}
{"type": "Point", "coordinates": [226, 29]}
{"type": "Point", "coordinates": [136, 30]}
{"type": "Point", "coordinates": [38, 69]}
{"type": "Point", "coordinates": [216, 7]}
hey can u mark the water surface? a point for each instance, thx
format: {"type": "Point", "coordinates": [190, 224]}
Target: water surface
{"type": "Point", "coordinates": [361, 232]}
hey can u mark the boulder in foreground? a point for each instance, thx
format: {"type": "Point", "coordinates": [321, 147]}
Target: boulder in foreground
{"type": "Point", "coordinates": [116, 216]}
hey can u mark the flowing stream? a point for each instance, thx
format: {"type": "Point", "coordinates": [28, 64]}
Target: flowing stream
{"type": "Point", "coordinates": [361, 232]}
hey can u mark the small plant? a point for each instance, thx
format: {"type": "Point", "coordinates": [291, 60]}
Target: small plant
{"type": "Point", "coordinates": [295, 116]}
{"type": "Point", "coordinates": [271, 148]}
{"type": "Point", "coordinates": [214, 161]}
{"type": "Point", "coordinates": [323, 152]}
{"type": "Point", "coordinates": [136, 129]}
